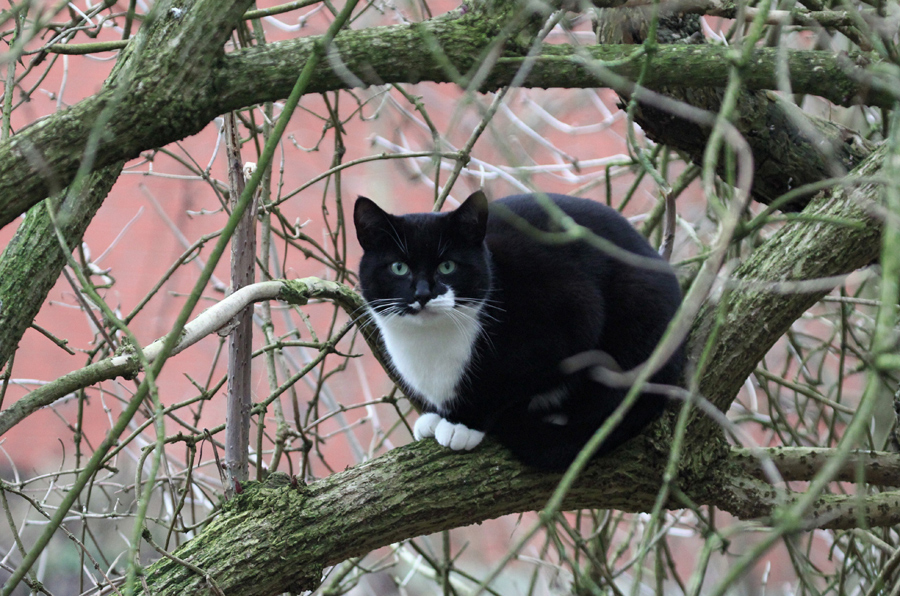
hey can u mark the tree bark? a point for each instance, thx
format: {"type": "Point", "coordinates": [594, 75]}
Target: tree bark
{"type": "Point", "coordinates": [790, 148]}
{"type": "Point", "coordinates": [31, 262]}
{"type": "Point", "coordinates": [837, 233]}
{"type": "Point", "coordinates": [274, 537]}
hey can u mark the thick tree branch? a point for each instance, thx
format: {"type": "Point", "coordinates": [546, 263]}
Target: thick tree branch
{"type": "Point", "coordinates": [31, 262]}
{"type": "Point", "coordinates": [170, 101]}
{"type": "Point", "coordinates": [162, 95]}
{"type": "Point", "coordinates": [837, 233]}
{"type": "Point", "coordinates": [791, 148]}
{"type": "Point", "coordinates": [842, 80]}
{"type": "Point", "coordinates": [269, 540]}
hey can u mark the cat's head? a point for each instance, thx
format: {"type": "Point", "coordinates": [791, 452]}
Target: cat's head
{"type": "Point", "coordinates": [422, 264]}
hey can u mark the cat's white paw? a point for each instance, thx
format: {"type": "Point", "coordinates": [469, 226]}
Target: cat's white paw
{"type": "Point", "coordinates": [457, 436]}
{"type": "Point", "coordinates": [425, 426]}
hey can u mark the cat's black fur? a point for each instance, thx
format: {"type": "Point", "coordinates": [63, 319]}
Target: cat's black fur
{"type": "Point", "coordinates": [542, 303]}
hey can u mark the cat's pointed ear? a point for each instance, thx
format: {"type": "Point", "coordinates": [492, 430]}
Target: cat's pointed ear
{"type": "Point", "coordinates": [369, 220]}
{"type": "Point", "coordinates": [472, 216]}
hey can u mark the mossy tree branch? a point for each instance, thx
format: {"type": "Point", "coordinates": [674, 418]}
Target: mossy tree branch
{"type": "Point", "coordinates": [791, 148]}
{"type": "Point", "coordinates": [276, 538]}
{"type": "Point", "coordinates": [69, 153]}
{"type": "Point", "coordinates": [842, 80]}
{"type": "Point", "coordinates": [31, 262]}
{"type": "Point", "coordinates": [167, 97]}
{"type": "Point", "coordinates": [837, 233]}
{"type": "Point", "coordinates": [163, 94]}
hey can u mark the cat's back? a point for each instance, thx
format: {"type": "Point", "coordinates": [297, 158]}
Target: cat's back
{"type": "Point", "coordinates": [602, 220]}
{"type": "Point", "coordinates": [586, 296]}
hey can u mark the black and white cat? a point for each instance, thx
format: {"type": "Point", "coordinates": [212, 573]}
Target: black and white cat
{"type": "Point", "coordinates": [477, 317]}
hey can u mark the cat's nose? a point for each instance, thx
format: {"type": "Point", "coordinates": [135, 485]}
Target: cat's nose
{"type": "Point", "coordinates": [423, 292]}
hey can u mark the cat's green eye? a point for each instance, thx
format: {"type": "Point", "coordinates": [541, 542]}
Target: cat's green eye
{"type": "Point", "coordinates": [399, 268]}
{"type": "Point", "coordinates": [447, 267]}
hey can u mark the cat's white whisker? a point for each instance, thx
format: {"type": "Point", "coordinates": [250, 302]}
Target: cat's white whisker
{"type": "Point", "coordinates": [431, 348]}
{"type": "Point", "coordinates": [458, 319]}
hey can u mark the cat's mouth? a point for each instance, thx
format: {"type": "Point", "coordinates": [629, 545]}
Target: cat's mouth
{"type": "Point", "coordinates": [426, 312]}
{"type": "Point", "coordinates": [416, 309]}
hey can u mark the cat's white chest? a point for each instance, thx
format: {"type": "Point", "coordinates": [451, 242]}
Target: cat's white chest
{"type": "Point", "coordinates": [432, 348]}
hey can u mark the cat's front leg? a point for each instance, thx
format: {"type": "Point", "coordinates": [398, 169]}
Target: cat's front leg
{"type": "Point", "coordinates": [448, 434]}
